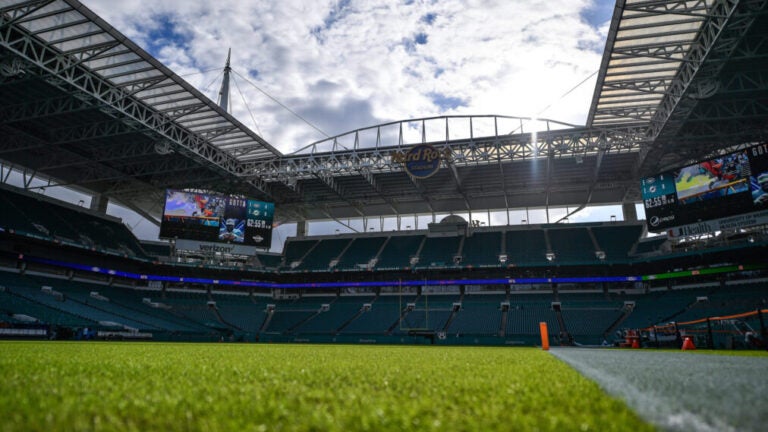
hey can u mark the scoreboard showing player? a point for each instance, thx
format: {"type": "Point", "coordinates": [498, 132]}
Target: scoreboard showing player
{"type": "Point", "coordinates": [725, 186]}
{"type": "Point", "coordinates": [217, 218]}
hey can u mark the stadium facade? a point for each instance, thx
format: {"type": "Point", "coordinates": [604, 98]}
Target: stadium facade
{"type": "Point", "coordinates": [681, 84]}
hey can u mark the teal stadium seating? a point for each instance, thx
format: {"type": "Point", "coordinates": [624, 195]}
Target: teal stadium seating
{"type": "Point", "coordinates": [480, 315]}
{"type": "Point", "coordinates": [39, 217]}
{"type": "Point", "coordinates": [342, 310]}
{"type": "Point", "coordinates": [270, 261]}
{"type": "Point", "coordinates": [525, 247]}
{"type": "Point", "coordinates": [398, 251]}
{"type": "Point", "coordinates": [650, 246]}
{"type": "Point", "coordinates": [661, 306]}
{"type": "Point", "coordinates": [156, 249]}
{"type": "Point", "coordinates": [360, 253]}
{"type": "Point", "coordinates": [482, 249]}
{"type": "Point", "coordinates": [526, 311]}
{"type": "Point", "coordinates": [319, 258]}
{"type": "Point", "coordinates": [572, 245]}
{"type": "Point", "coordinates": [439, 252]}
{"type": "Point", "coordinates": [295, 249]}
{"type": "Point", "coordinates": [181, 313]}
{"type": "Point", "coordinates": [384, 313]}
{"type": "Point", "coordinates": [617, 241]}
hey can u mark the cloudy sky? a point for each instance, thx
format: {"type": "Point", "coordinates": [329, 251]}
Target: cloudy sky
{"type": "Point", "coordinates": [347, 64]}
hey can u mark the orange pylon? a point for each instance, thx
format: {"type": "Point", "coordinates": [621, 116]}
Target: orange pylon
{"type": "Point", "coordinates": [544, 336]}
{"type": "Point", "coordinates": [688, 344]}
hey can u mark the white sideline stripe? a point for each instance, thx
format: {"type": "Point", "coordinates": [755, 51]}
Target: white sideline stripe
{"type": "Point", "coordinates": [656, 408]}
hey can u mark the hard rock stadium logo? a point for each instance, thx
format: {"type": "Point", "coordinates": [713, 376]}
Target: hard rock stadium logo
{"type": "Point", "coordinates": [421, 161]}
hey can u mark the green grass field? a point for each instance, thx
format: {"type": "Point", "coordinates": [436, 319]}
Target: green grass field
{"type": "Point", "coordinates": [212, 387]}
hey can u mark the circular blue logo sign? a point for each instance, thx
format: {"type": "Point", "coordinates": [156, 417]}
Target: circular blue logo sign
{"type": "Point", "coordinates": [421, 161]}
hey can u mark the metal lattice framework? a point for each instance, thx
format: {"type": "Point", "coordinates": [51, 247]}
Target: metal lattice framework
{"type": "Point", "coordinates": [94, 68]}
{"type": "Point", "coordinates": [682, 68]}
{"type": "Point", "coordinates": [364, 168]}
{"type": "Point", "coordinates": [82, 105]}
{"type": "Point", "coordinates": [648, 44]}
{"type": "Point", "coordinates": [550, 139]}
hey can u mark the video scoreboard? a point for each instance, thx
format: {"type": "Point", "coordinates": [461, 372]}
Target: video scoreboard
{"type": "Point", "coordinates": [217, 218]}
{"type": "Point", "coordinates": [721, 187]}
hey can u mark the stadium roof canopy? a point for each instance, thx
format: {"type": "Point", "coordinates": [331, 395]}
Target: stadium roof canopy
{"type": "Point", "coordinates": [692, 72]}
{"type": "Point", "coordinates": [82, 105]}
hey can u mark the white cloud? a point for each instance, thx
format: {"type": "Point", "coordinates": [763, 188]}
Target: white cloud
{"type": "Point", "coordinates": [344, 65]}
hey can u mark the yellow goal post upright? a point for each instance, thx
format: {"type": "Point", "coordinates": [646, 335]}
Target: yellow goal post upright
{"type": "Point", "coordinates": [410, 318]}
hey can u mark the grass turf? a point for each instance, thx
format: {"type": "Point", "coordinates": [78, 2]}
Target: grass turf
{"type": "Point", "coordinates": [155, 386]}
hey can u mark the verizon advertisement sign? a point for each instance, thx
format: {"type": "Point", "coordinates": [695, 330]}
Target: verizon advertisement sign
{"type": "Point", "coordinates": [208, 248]}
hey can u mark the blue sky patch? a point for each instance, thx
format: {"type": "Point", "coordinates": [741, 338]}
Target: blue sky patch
{"type": "Point", "coordinates": [165, 33]}
{"type": "Point", "coordinates": [337, 12]}
{"type": "Point", "coordinates": [409, 45]}
{"type": "Point", "coordinates": [598, 13]}
{"type": "Point", "coordinates": [418, 39]}
{"type": "Point", "coordinates": [446, 102]}
{"type": "Point", "coordinates": [429, 18]}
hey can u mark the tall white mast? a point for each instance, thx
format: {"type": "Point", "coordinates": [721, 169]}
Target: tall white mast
{"type": "Point", "coordinates": [224, 91]}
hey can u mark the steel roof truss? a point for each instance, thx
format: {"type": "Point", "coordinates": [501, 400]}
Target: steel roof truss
{"type": "Point", "coordinates": [59, 66]}
{"type": "Point", "coordinates": [19, 12]}
{"type": "Point", "coordinates": [38, 109]}
{"type": "Point", "coordinates": [92, 131]}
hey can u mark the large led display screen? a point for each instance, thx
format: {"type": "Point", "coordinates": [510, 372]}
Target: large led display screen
{"type": "Point", "coordinates": [728, 185]}
{"type": "Point", "coordinates": [217, 218]}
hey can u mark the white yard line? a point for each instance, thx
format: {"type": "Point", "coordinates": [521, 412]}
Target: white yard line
{"type": "Point", "coordinates": [681, 391]}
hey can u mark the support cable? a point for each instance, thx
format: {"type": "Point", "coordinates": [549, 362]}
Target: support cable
{"type": "Point", "coordinates": [297, 115]}
{"type": "Point", "coordinates": [572, 89]}
{"type": "Point", "coordinates": [247, 107]}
